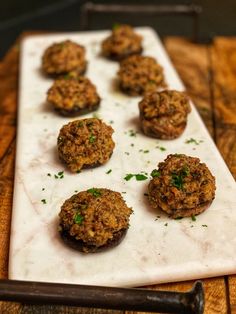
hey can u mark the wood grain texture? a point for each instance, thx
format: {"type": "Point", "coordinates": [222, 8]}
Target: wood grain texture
{"type": "Point", "coordinates": [209, 76]}
{"type": "Point", "coordinates": [223, 64]}
{"type": "Point", "coordinates": [192, 64]}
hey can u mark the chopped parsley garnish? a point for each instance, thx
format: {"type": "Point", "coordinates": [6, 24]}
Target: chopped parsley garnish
{"type": "Point", "coordinates": [49, 174]}
{"type": "Point", "coordinates": [204, 226]}
{"type": "Point", "coordinates": [109, 171]}
{"type": "Point", "coordinates": [193, 218]}
{"type": "Point", "coordinates": [80, 124]}
{"type": "Point", "coordinates": [123, 192]}
{"type": "Point", "coordinates": [43, 189]}
{"type": "Point", "coordinates": [161, 148]}
{"type": "Point", "coordinates": [128, 176]}
{"type": "Point", "coordinates": [92, 138]}
{"type": "Point", "coordinates": [76, 191]}
{"type": "Point", "coordinates": [145, 151]}
{"type": "Point", "coordinates": [59, 175]}
{"type": "Point", "coordinates": [132, 133]}
{"type": "Point", "coordinates": [78, 219]}
{"type": "Point", "coordinates": [193, 141]}
{"type": "Point", "coordinates": [78, 171]}
{"type": "Point", "coordinates": [132, 144]}
{"type": "Point", "coordinates": [44, 201]}
{"type": "Point", "coordinates": [127, 153]}
{"type": "Point", "coordinates": [157, 217]}
{"type": "Point", "coordinates": [138, 176]}
{"type": "Point", "coordinates": [111, 121]}
{"type": "Point", "coordinates": [166, 224]}
{"type": "Point", "coordinates": [178, 178]}
{"type": "Point", "coordinates": [95, 192]}
{"type": "Point", "coordinates": [155, 173]}
{"type": "Point", "coordinates": [115, 26]}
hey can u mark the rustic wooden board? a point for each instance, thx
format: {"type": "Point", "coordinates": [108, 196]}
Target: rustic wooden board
{"type": "Point", "coordinates": [223, 64]}
{"type": "Point", "coordinates": [197, 60]}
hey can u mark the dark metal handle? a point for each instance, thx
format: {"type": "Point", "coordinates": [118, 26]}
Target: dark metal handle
{"type": "Point", "coordinates": [148, 9]}
{"type": "Point", "coordinates": [104, 297]}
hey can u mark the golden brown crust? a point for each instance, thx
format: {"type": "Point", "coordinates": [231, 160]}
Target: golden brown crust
{"type": "Point", "coordinates": [94, 220]}
{"type": "Point", "coordinates": [163, 114]}
{"type": "Point", "coordinates": [64, 57]}
{"type": "Point", "coordinates": [85, 143]}
{"type": "Point", "coordinates": [139, 75]}
{"type": "Point", "coordinates": [72, 96]}
{"type": "Point", "coordinates": [182, 186]}
{"type": "Point", "coordinates": [123, 42]}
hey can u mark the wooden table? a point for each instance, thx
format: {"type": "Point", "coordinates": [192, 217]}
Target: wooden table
{"type": "Point", "coordinates": [209, 74]}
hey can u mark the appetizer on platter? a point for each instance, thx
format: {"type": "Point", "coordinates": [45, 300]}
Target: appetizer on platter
{"type": "Point", "coordinates": [64, 57]}
{"type": "Point", "coordinates": [85, 143]}
{"type": "Point", "coordinates": [182, 186]}
{"type": "Point", "coordinates": [139, 75]}
{"type": "Point", "coordinates": [164, 114]}
{"type": "Point", "coordinates": [73, 96]}
{"type": "Point", "coordinates": [123, 42]}
{"type": "Point", "coordinates": [94, 220]}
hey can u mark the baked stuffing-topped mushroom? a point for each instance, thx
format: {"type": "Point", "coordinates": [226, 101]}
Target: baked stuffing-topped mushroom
{"type": "Point", "coordinates": [164, 114]}
{"type": "Point", "coordinates": [64, 57]}
{"type": "Point", "coordinates": [73, 96]}
{"type": "Point", "coordinates": [85, 143]}
{"type": "Point", "coordinates": [123, 42]}
{"type": "Point", "coordinates": [182, 186]}
{"type": "Point", "coordinates": [94, 220]}
{"type": "Point", "coordinates": [139, 75]}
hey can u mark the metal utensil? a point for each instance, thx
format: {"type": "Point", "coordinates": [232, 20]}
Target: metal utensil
{"type": "Point", "coordinates": [104, 297]}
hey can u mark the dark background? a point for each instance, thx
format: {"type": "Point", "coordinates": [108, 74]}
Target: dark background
{"type": "Point", "coordinates": [16, 16]}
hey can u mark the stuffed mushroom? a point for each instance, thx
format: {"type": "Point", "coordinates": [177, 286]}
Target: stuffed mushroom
{"type": "Point", "coordinates": [85, 143]}
{"type": "Point", "coordinates": [94, 220]}
{"type": "Point", "coordinates": [182, 186]}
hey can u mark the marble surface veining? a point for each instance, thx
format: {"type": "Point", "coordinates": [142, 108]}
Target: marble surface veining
{"type": "Point", "coordinates": [156, 248]}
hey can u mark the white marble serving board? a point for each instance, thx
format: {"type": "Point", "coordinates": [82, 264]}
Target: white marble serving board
{"type": "Point", "coordinates": [155, 249]}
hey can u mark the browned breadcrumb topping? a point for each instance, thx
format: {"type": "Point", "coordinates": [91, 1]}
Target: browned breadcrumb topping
{"type": "Point", "coordinates": [123, 41]}
{"type": "Point", "coordinates": [183, 186]}
{"type": "Point", "coordinates": [70, 93]}
{"type": "Point", "coordinates": [64, 57]}
{"type": "Point", "coordinates": [101, 215]}
{"type": "Point", "coordinates": [164, 114]}
{"type": "Point", "coordinates": [85, 143]}
{"type": "Point", "coordinates": [139, 75]}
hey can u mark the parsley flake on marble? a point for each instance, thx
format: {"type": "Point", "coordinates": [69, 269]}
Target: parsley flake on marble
{"type": "Point", "coordinates": [137, 176]}
{"type": "Point", "coordinates": [193, 141]}
{"type": "Point", "coordinates": [161, 148]}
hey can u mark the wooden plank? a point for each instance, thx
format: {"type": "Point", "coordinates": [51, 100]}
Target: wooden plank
{"type": "Point", "coordinates": [192, 64]}
{"type": "Point", "coordinates": [223, 60]}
